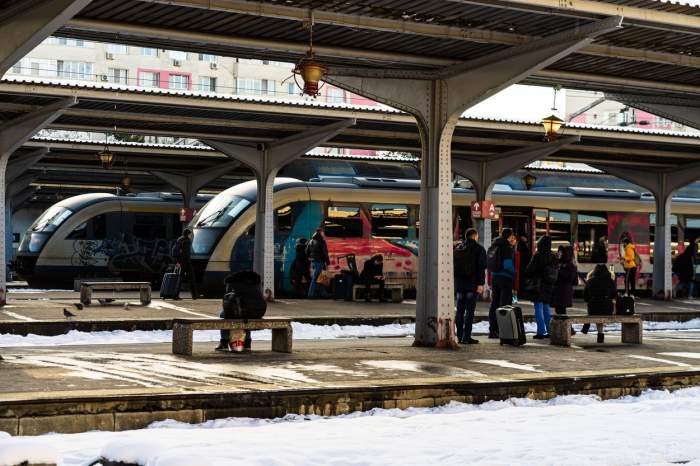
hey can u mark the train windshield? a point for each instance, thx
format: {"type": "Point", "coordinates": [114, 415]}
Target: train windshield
{"type": "Point", "coordinates": [214, 219]}
{"type": "Point", "coordinates": [51, 219]}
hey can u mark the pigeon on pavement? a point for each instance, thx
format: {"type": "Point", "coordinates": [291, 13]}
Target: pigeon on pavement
{"type": "Point", "coordinates": [78, 306]}
{"type": "Point", "coordinates": [67, 314]}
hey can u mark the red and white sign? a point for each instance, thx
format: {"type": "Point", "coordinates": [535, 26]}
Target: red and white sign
{"type": "Point", "coordinates": [484, 209]}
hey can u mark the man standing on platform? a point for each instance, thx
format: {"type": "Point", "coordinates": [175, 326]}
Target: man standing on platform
{"type": "Point", "coordinates": [470, 276]}
{"type": "Point", "coordinates": [500, 261]}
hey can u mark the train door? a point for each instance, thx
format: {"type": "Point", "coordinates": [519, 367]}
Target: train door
{"type": "Point", "coordinates": [519, 219]}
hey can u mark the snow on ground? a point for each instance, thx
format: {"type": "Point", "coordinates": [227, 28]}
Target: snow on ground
{"type": "Point", "coordinates": [657, 427]}
{"type": "Point", "coordinates": [301, 332]}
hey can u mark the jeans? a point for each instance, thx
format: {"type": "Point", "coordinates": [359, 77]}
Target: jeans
{"type": "Point", "coordinates": [688, 286]}
{"type": "Point", "coordinates": [225, 335]}
{"type": "Point", "coordinates": [631, 280]}
{"type": "Point", "coordinates": [466, 305]}
{"type": "Point", "coordinates": [542, 316]}
{"type": "Point", "coordinates": [501, 295]}
{"type": "Point", "coordinates": [368, 288]}
{"type": "Point", "coordinates": [313, 286]}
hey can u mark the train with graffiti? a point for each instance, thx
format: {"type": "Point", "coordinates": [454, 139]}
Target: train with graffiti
{"type": "Point", "coordinates": [363, 216]}
{"type": "Point", "coordinates": [100, 235]}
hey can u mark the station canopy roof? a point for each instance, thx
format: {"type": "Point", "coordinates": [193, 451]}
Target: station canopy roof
{"type": "Point", "coordinates": [658, 47]}
{"type": "Point", "coordinates": [111, 108]}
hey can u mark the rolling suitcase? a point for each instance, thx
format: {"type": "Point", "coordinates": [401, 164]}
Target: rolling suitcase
{"type": "Point", "coordinates": [511, 328]}
{"type": "Point", "coordinates": [170, 287]}
{"type": "Point", "coordinates": [624, 305]}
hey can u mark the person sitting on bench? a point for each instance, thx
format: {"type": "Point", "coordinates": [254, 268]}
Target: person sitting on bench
{"type": "Point", "coordinates": [373, 274]}
{"type": "Point", "coordinates": [599, 293]}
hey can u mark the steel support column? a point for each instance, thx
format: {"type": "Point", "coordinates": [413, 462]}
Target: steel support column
{"type": "Point", "coordinates": [684, 111]}
{"type": "Point", "coordinates": [484, 172]}
{"type": "Point", "coordinates": [436, 100]}
{"type": "Point", "coordinates": [662, 184]}
{"type": "Point", "coordinates": [25, 24]}
{"type": "Point", "coordinates": [190, 184]}
{"type": "Point", "coordinates": [20, 164]}
{"type": "Point", "coordinates": [13, 134]}
{"type": "Point", "coordinates": [266, 160]}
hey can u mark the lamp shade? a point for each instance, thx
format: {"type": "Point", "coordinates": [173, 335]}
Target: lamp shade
{"type": "Point", "coordinates": [311, 73]}
{"type": "Point", "coordinates": [106, 158]}
{"type": "Point", "coordinates": [551, 124]}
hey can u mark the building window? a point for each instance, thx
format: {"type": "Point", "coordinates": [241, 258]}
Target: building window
{"type": "Point", "coordinates": [149, 79]}
{"type": "Point", "coordinates": [268, 87]}
{"type": "Point", "coordinates": [178, 82]}
{"type": "Point", "coordinates": [73, 69]}
{"type": "Point", "coordinates": [118, 49]}
{"type": "Point", "coordinates": [291, 89]}
{"type": "Point", "coordinates": [118, 76]}
{"type": "Point", "coordinates": [177, 55]}
{"type": "Point", "coordinates": [68, 42]}
{"type": "Point", "coordinates": [208, 58]}
{"type": "Point", "coordinates": [249, 86]}
{"type": "Point", "coordinates": [335, 95]}
{"type": "Point", "coordinates": [207, 84]}
{"type": "Point", "coordinates": [149, 52]}
{"type": "Point", "coordinates": [17, 68]}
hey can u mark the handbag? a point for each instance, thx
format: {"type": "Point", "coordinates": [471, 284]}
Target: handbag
{"type": "Point", "coordinates": [324, 278]}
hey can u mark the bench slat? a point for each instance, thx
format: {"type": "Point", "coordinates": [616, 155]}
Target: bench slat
{"type": "Point", "coordinates": [183, 330]}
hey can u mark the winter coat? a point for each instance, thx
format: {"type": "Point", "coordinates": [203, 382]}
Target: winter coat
{"type": "Point", "coordinates": [600, 291]}
{"type": "Point", "coordinates": [523, 251]}
{"type": "Point", "coordinates": [183, 249]}
{"type": "Point", "coordinates": [628, 258]}
{"type": "Point", "coordinates": [684, 265]}
{"type": "Point", "coordinates": [567, 278]}
{"type": "Point", "coordinates": [507, 258]}
{"type": "Point", "coordinates": [372, 269]}
{"type": "Point", "coordinates": [470, 284]}
{"type": "Point", "coordinates": [301, 264]}
{"type": "Point", "coordinates": [317, 250]}
{"type": "Point", "coordinates": [537, 279]}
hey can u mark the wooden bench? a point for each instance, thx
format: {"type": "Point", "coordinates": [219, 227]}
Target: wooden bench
{"type": "Point", "coordinates": [86, 289]}
{"type": "Point", "coordinates": [393, 293]}
{"type": "Point", "coordinates": [560, 327]}
{"type": "Point", "coordinates": [184, 328]}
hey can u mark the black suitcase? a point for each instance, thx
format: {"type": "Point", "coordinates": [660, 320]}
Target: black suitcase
{"type": "Point", "coordinates": [624, 305]}
{"type": "Point", "coordinates": [342, 286]}
{"type": "Point", "coordinates": [170, 286]}
{"type": "Point", "coordinates": [511, 329]}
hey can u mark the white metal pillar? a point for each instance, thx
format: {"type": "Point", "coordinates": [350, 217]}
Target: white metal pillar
{"type": "Point", "coordinates": [25, 24]}
{"type": "Point", "coordinates": [13, 134]}
{"type": "Point", "coordinates": [190, 184]}
{"type": "Point", "coordinates": [483, 172]}
{"type": "Point", "coordinates": [662, 184]}
{"type": "Point", "coordinates": [266, 160]}
{"type": "Point", "coordinates": [437, 99]}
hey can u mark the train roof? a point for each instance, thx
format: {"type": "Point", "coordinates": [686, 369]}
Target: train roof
{"type": "Point", "coordinates": [81, 201]}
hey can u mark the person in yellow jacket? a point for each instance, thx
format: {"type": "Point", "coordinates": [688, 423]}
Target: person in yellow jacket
{"type": "Point", "coordinates": [631, 262]}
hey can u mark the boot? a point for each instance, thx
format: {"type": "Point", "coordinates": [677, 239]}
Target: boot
{"type": "Point", "coordinates": [601, 337]}
{"type": "Point", "coordinates": [585, 328]}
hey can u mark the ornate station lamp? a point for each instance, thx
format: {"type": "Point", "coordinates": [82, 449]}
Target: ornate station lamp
{"type": "Point", "coordinates": [106, 157]}
{"type": "Point", "coordinates": [529, 180]}
{"type": "Point", "coordinates": [308, 69]}
{"type": "Point", "coordinates": [551, 124]}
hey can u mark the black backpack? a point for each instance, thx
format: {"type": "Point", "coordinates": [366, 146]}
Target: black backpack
{"type": "Point", "coordinates": [494, 261]}
{"type": "Point", "coordinates": [243, 298]}
{"type": "Point", "coordinates": [464, 261]}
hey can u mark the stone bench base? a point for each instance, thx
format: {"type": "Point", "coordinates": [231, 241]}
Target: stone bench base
{"type": "Point", "coordinates": [393, 293]}
{"type": "Point", "coordinates": [560, 327]}
{"type": "Point", "coordinates": [183, 330]}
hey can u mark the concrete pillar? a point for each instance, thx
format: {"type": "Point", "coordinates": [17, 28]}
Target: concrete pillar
{"type": "Point", "coordinates": [190, 184]}
{"type": "Point", "coordinates": [484, 172]}
{"type": "Point", "coordinates": [24, 24]}
{"type": "Point", "coordinates": [684, 111]}
{"type": "Point", "coordinates": [265, 161]}
{"type": "Point", "coordinates": [662, 184]}
{"type": "Point", "coordinates": [437, 99]}
{"type": "Point", "coordinates": [13, 134]}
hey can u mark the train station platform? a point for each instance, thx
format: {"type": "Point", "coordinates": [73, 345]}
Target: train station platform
{"type": "Point", "coordinates": [118, 387]}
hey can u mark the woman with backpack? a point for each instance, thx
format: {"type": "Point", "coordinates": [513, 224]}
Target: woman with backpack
{"type": "Point", "coordinates": [541, 275]}
{"type": "Point", "coordinates": [631, 262]}
{"type": "Point", "coordinates": [567, 278]}
{"type": "Point", "coordinates": [599, 293]}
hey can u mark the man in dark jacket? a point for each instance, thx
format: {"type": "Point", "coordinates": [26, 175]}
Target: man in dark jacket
{"type": "Point", "coordinates": [525, 254]}
{"type": "Point", "coordinates": [470, 276]}
{"type": "Point", "coordinates": [300, 270]}
{"type": "Point", "coordinates": [317, 250]}
{"type": "Point", "coordinates": [373, 274]}
{"type": "Point", "coordinates": [684, 268]}
{"type": "Point", "coordinates": [183, 256]}
{"type": "Point", "coordinates": [503, 278]}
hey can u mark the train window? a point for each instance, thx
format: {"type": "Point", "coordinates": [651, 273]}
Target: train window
{"type": "Point", "coordinates": [95, 228]}
{"type": "Point", "coordinates": [80, 232]}
{"type": "Point", "coordinates": [149, 226]}
{"type": "Point", "coordinates": [389, 221]}
{"type": "Point", "coordinates": [343, 222]}
{"type": "Point", "coordinates": [689, 234]}
{"type": "Point", "coordinates": [559, 228]}
{"type": "Point", "coordinates": [284, 219]}
{"type": "Point", "coordinates": [592, 237]}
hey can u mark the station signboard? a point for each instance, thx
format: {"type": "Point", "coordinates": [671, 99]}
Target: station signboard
{"type": "Point", "coordinates": [484, 210]}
